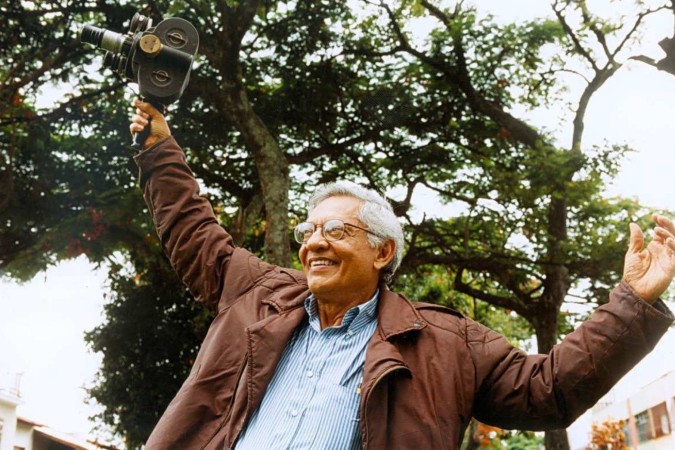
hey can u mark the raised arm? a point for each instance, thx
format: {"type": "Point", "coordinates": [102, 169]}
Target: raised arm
{"type": "Point", "coordinates": [549, 391]}
{"type": "Point", "coordinates": [200, 250]}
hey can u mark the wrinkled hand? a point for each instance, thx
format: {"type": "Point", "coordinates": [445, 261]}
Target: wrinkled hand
{"type": "Point", "coordinates": [148, 114]}
{"type": "Point", "coordinates": [650, 270]}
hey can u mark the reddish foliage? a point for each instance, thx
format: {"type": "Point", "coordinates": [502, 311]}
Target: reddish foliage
{"type": "Point", "coordinates": [608, 435]}
{"type": "Point", "coordinates": [486, 434]}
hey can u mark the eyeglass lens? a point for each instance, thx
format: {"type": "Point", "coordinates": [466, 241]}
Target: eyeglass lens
{"type": "Point", "coordinates": [331, 230]}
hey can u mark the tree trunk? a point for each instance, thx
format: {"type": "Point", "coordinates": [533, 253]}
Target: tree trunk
{"type": "Point", "coordinates": [546, 326]}
{"type": "Point", "coordinates": [556, 286]}
{"type": "Point", "coordinates": [270, 161]}
{"type": "Point", "coordinates": [470, 441]}
{"type": "Point", "coordinates": [556, 440]}
{"type": "Point", "coordinates": [273, 170]}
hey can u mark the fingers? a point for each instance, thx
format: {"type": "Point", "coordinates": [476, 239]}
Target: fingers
{"type": "Point", "coordinates": [664, 236]}
{"type": "Point", "coordinates": [664, 231]}
{"type": "Point", "coordinates": [142, 117]}
{"type": "Point", "coordinates": [637, 239]}
{"type": "Point", "coordinates": [146, 108]}
{"type": "Point", "coordinates": [665, 222]}
{"type": "Point", "coordinates": [138, 122]}
{"type": "Point", "coordinates": [148, 117]}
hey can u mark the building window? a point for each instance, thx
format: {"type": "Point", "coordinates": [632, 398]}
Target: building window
{"type": "Point", "coordinates": [660, 419]}
{"type": "Point", "coordinates": [626, 431]}
{"type": "Point", "coordinates": [644, 429]}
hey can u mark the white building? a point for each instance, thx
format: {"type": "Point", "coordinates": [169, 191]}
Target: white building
{"type": "Point", "coordinates": [9, 400]}
{"type": "Point", "coordinates": [18, 433]}
{"type": "Point", "coordinates": [649, 414]}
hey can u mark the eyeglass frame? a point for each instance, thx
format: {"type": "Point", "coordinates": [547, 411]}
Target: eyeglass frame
{"type": "Point", "coordinates": [322, 226]}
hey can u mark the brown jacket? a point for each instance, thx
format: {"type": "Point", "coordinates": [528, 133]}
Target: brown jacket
{"type": "Point", "coordinates": [428, 369]}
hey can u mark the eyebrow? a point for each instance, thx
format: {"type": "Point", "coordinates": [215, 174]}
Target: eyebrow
{"type": "Point", "coordinates": [332, 218]}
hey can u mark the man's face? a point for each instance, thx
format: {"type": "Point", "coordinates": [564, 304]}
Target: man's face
{"type": "Point", "coordinates": [344, 270]}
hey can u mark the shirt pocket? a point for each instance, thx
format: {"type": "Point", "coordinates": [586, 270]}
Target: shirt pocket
{"type": "Point", "coordinates": [333, 417]}
{"type": "Point", "coordinates": [341, 401]}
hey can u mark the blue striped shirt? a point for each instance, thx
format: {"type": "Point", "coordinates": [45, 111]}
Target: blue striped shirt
{"type": "Point", "coordinates": [312, 401]}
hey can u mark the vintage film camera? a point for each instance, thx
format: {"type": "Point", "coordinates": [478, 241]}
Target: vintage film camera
{"type": "Point", "coordinates": [159, 59]}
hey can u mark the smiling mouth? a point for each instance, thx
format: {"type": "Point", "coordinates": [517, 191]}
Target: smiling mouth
{"type": "Point", "coordinates": [322, 263]}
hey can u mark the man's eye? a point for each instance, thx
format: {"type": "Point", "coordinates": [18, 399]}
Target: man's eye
{"type": "Point", "coordinates": [333, 230]}
{"type": "Point", "coordinates": [304, 231]}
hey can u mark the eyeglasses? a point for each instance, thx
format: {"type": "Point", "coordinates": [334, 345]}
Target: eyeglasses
{"type": "Point", "coordinates": [331, 230]}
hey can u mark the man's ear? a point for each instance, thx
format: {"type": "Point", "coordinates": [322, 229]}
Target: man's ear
{"type": "Point", "coordinates": [385, 254]}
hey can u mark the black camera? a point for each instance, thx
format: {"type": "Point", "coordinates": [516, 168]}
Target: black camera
{"type": "Point", "coordinates": [158, 59]}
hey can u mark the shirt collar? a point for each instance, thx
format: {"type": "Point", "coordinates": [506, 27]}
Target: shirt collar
{"type": "Point", "coordinates": [355, 318]}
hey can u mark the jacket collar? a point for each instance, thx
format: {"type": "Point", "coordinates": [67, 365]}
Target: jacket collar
{"type": "Point", "coordinates": [396, 314]}
{"type": "Point", "coordinates": [283, 300]}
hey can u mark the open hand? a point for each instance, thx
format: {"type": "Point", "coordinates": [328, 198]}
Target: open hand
{"type": "Point", "coordinates": [650, 270]}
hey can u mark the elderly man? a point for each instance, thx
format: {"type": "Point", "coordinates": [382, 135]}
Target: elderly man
{"type": "Point", "coordinates": [329, 358]}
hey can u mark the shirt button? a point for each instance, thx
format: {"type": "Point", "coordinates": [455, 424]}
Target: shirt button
{"type": "Point", "coordinates": [310, 374]}
{"type": "Point", "coordinates": [294, 412]}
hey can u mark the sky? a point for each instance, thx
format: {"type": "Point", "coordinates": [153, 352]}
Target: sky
{"type": "Point", "coordinates": [42, 322]}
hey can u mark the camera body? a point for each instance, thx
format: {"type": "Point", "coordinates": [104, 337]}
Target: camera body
{"type": "Point", "coordinates": [159, 59]}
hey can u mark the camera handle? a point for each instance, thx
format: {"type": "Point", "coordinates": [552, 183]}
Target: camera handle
{"type": "Point", "coordinates": [139, 138]}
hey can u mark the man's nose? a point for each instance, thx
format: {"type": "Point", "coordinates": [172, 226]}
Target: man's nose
{"type": "Point", "coordinates": [316, 240]}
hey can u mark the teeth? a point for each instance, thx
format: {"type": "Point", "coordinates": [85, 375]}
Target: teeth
{"type": "Point", "coordinates": [322, 262]}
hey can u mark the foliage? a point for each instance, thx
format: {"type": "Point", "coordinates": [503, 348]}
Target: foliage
{"type": "Point", "coordinates": [482, 436]}
{"type": "Point", "coordinates": [434, 284]}
{"type": "Point", "coordinates": [608, 435]}
{"type": "Point", "coordinates": [162, 329]}
{"type": "Point", "coordinates": [289, 94]}
{"type": "Point", "coordinates": [524, 441]}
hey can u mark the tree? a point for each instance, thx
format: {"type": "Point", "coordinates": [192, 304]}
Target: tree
{"type": "Point", "coordinates": [481, 436]}
{"type": "Point", "coordinates": [162, 329]}
{"type": "Point", "coordinates": [608, 435]}
{"type": "Point", "coordinates": [524, 441]}
{"type": "Point", "coordinates": [287, 95]}
{"type": "Point", "coordinates": [534, 191]}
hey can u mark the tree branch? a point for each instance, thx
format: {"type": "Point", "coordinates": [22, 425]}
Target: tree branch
{"type": "Point", "coordinates": [495, 300]}
{"type": "Point", "coordinates": [245, 14]}
{"type": "Point", "coordinates": [459, 75]}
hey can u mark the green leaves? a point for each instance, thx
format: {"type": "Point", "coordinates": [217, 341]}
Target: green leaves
{"type": "Point", "coordinates": [149, 343]}
{"type": "Point", "coordinates": [344, 91]}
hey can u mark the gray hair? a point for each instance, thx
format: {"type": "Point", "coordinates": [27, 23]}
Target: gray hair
{"type": "Point", "coordinates": [376, 214]}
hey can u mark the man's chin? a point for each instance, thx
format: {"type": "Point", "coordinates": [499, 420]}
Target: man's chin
{"type": "Point", "coordinates": [319, 285]}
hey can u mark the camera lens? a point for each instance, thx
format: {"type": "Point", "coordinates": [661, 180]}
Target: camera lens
{"type": "Point", "coordinates": [105, 39]}
{"type": "Point", "coordinates": [110, 60]}
{"type": "Point", "coordinates": [91, 35]}
{"type": "Point", "coordinates": [116, 62]}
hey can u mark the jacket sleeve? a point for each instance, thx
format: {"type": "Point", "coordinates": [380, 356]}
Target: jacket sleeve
{"type": "Point", "coordinates": [200, 250]}
{"type": "Point", "coordinates": [538, 392]}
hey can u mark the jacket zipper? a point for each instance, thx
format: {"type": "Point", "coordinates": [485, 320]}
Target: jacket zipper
{"type": "Point", "coordinates": [365, 407]}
